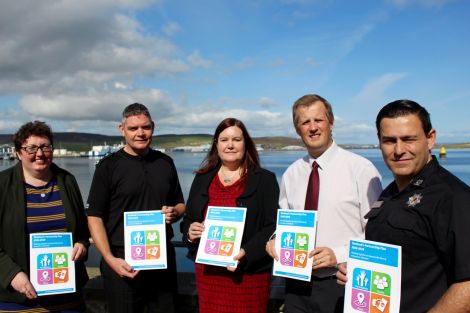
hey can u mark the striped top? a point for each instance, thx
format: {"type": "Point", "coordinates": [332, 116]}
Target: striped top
{"type": "Point", "coordinates": [44, 209]}
{"type": "Point", "coordinates": [45, 213]}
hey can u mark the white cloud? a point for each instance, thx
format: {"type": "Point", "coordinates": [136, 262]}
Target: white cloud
{"type": "Point", "coordinates": [346, 131]}
{"type": "Point", "coordinates": [245, 63]}
{"type": "Point", "coordinates": [104, 106]}
{"type": "Point", "coordinates": [310, 61]}
{"type": "Point", "coordinates": [423, 3]}
{"type": "Point", "coordinates": [70, 46]}
{"type": "Point", "coordinates": [266, 102]}
{"type": "Point", "coordinates": [119, 85]}
{"type": "Point", "coordinates": [196, 59]}
{"type": "Point", "coordinates": [206, 118]}
{"type": "Point", "coordinates": [375, 89]}
{"type": "Point", "coordinates": [171, 29]}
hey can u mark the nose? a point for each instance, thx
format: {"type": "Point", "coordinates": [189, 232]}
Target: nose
{"type": "Point", "coordinates": [312, 126]}
{"type": "Point", "coordinates": [399, 148]}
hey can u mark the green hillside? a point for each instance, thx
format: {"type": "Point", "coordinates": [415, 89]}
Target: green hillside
{"type": "Point", "coordinates": [84, 141]}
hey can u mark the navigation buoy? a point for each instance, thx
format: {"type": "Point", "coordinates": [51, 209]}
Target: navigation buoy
{"type": "Point", "coordinates": [442, 152]}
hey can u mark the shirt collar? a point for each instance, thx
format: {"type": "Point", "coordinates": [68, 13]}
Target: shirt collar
{"type": "Point", "coordinates": [325, 158]}
{"type": "Point", "coordinates": [418, 182]}
{"type": "Point", "coordinates": [425, 175]}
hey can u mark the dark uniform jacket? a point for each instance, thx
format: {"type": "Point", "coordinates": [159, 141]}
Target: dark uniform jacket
{"type": "Point", "coordinates": [14, 242]}
{"type": "Point", "coordinates": [260, 197]}
{"type": "Point", "coordinates": [429, 219]}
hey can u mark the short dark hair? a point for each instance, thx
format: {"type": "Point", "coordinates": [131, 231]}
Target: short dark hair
{"type": "Point", "coordinates": [308, 100]}
{"type": "Point", "coordinates": [250, 159]}
{"type": "Point", "coordinates": [35, 128]}
{"type": "Point", "coordinates": [404, 107]}
{"type": "Point", "coordinates": [135, 109]}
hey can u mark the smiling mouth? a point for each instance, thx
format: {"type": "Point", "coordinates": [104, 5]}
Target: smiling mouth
{"type": "Point", "coordinates": [400, 161]}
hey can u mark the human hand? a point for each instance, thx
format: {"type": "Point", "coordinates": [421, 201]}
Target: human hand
{"type": "Point", "coordinates": [79, 251]}
{"type": "Point", "coordinates": [323, 257]}
{"type": "Point", "coordinates": [237, 258]}
{"type": "Point", "coordinates": [195, 231]}
{"type": "Point", "coordinates": [171, 215]}
{"type": "Point", "coordinates": [271, 249]}
{"type": "Point", "coordinates": [341, 274]}
{"type": "Point", "coordinates": [22, 285]}
{"type": "Point", "coordinates": [122, 268]}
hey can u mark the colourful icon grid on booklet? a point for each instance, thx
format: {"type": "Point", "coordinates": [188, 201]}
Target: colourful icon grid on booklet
{"type": "Point", "coordinates": [371, 291]}
{"type": "Point", "coordinates": [294, 249]}
{"type": "Point", "coordinates": [220, 240]}
{"type": "Point", "coordinates": [145, 245]}
{"type": "Point", "coordinates": [52, 268]}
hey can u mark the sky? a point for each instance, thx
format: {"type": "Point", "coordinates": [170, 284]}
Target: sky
{"type": "Point", "coordinates": [77, 64]}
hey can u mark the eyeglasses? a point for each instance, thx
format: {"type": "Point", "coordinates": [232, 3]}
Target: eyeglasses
{"type": "Point", "coordinates": [34, 149]}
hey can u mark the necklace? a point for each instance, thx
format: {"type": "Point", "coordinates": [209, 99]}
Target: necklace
{"type": "Point", "coordinates": [228, 178]}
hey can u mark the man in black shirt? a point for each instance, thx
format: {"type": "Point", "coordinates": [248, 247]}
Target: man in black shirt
{"type": "Point", "coordinates": [425, 211]}
{"type": "Point", "coordinates": [135, 178]}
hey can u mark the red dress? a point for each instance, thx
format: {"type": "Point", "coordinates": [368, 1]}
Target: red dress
{"type": "Point", "coordinates": [220, 290]}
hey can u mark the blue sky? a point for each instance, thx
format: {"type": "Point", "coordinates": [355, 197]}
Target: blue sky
{"type": "Point", "coordinates": [77, 64]}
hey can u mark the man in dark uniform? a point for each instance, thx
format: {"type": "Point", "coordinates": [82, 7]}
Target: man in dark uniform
{"type": "Point", "coordinates": [135, 178]}
{"type": "Point", "coordinates": [426, 211]}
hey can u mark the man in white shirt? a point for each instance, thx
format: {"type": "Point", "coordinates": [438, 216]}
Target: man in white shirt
{"type": "Point", "coordinates": [348, 186]}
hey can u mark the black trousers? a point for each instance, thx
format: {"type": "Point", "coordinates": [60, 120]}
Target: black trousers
{"type": "Point", "coordinates": [321, 295]}
{"type": "Point", "coordinates": [151, 291]}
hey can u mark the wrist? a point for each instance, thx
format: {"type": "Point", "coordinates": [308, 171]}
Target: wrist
{"type": "Point", "coordinates": [189, 239]}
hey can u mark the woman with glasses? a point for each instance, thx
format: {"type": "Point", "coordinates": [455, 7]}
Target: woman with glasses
{"type": "Point", "coordinates": [37, 196]}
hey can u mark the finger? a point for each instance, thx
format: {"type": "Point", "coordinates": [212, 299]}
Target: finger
{"type": "Point", "coordinates": [80, 252]}
{"type": "Point", "coordinates": [74, 254]}
{"type": "Point", "coordinates": [315, 253]}
{"type": "Point", "coordinates": [271, 250]}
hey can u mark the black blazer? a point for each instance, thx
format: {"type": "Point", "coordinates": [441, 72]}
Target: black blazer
{"type": "Point", "coordinates": [260, 197]}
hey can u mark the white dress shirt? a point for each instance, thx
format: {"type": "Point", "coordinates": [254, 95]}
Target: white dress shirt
{"type": "Point", "coordinates": [349, 185]}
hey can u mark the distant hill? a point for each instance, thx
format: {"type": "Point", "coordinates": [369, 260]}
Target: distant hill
{"type": "Point", "coordinates": [84, 141]}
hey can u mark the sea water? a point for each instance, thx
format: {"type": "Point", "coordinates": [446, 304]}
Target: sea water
{"type": "Point", "coordinates": [457, 162]}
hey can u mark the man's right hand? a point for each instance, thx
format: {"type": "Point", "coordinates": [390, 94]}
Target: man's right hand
{"type": "Point", "coordinates": [121, 267]}
{"type": "Point", "coordinates": [271, 249]}
{"type": "Point", "coordinates": [341, 274]}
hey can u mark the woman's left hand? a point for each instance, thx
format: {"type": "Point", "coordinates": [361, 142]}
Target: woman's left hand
{"type": "Point", "coordinates": [238, 257]}
{"type": "Point", "coordinates": [79, 251]}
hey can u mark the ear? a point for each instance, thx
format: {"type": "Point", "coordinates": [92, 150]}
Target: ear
{"type": "Point", "coordinates": [121, 129]}
{"type": "Point", "coordinates": [431, 138]}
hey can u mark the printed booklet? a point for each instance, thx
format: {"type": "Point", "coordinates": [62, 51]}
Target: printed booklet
{"type": "Point", "coordinates": [374, 277]}
{"type": "Point", "coordinates": [145, 240]}
{"type": "Point", "coordinates": [295, 238]}
{"type": "Point", "coordinates": [52, 270]}
{"type": "Point", "coordinates": [222, 237]}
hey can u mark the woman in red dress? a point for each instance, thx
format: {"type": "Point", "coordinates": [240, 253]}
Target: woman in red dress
{"type": "Point", "coordinates": [231, 176]}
